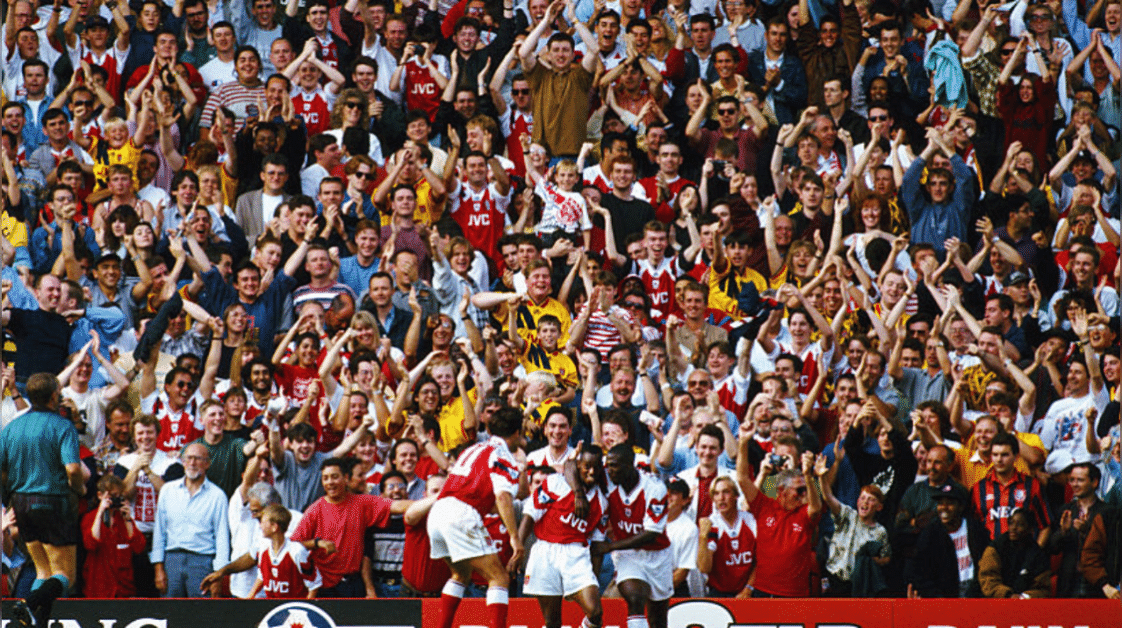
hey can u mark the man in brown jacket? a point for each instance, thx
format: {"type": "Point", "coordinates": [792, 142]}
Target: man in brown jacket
{"type": "Point", "coordinates": [829, 50]}
{"type": "Point", "coordinates": [1102, 554]}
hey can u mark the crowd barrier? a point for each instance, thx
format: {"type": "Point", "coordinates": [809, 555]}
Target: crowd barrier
{"type": "Point", "coordinates": [524, 613]}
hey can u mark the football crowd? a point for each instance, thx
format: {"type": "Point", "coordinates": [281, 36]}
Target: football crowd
{"type": "Point", "coordinates": [633, 298]}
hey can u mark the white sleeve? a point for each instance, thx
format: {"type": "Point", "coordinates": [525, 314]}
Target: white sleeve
{"type": "Point", "coordinates": [687, 555]}
{"type": "Point", "coordinates": [654, 519]}
{"type": "Point", "coordinates": [504, 473]}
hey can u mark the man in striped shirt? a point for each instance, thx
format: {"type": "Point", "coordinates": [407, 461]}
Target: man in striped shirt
{"type": "Point", "coordinates": [1004, 490]}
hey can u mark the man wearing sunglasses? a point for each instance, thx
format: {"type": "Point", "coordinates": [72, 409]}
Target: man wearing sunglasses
{"type": "Point", "coordinates": [786, 522]}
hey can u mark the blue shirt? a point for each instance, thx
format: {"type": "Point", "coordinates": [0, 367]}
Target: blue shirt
{"type": "Point", "coordinates": [34, 451]}
{"type": "Point", "coordinates": [195, 523]}
{"type": "Point", "coordinates": [263, 313]}
{"type": "Point", "coordinates": [45, 249]}
{"type": "Point", "coordinates": [357, 276]}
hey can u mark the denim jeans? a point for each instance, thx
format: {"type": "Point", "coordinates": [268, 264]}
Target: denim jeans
{"type": "Point", "coordinates": [185, 571]}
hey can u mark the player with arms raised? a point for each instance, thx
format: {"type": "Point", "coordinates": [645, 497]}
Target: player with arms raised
{"type": "Point", "coordinates": [565, 513]}
{"type": "Point", "coordinates": [640, 548]}
{"type": "Point", "coordinates": [485, 477]}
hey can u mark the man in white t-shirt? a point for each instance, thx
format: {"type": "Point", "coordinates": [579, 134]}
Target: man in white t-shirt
{"type": "Point", "coordinates": [91, 402]}
{"type": "Point", "coordinates": [1064, 428]}
{"type": "Point", "coordinates": [682, 531]}
{"type": "Point", "coordinates": [220, 69]}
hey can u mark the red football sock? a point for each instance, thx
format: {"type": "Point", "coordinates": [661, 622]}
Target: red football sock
{"type": "Point", "coordinates": [450, 599]}
{"type": "Point", "coordinates": [497, 606]}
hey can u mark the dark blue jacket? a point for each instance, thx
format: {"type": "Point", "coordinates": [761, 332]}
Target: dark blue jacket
{"type": "Point", "coordinates": [791, 94]}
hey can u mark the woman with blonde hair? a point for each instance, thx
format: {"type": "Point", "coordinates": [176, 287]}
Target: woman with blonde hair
{"type": "Point", "coordinates": [350, 110]}
{"type": "Point", "coordinates": [211, 189]}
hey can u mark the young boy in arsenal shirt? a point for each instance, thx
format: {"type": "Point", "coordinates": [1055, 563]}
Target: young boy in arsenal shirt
{"type": "Point", "coordinates": [564, 514]}
{"type": "Point", "coordinates": [485, 477]}
{"type": "Point", "coordinates": [286, 568]}
{"type": "Point", "coordinates": [640, 548]}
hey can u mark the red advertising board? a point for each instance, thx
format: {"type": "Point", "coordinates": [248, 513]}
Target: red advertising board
{"type": "Point", "coordinates": [1007, 613]}
{"type": "Point", "coordinates": [820, 613]}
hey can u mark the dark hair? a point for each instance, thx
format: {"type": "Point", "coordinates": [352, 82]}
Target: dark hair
{"type": "Point", "coordinates": [505, 422]}
{"type": "Point", "coordinates": [389, 475]}
{"type": "Point", "coordinates": [302, 432]}
{"type": "Point", "coordinates": [51, 114]}
{"type": "Point", "coordinates": [1007, 439]}
{"type": "Point", "coordinates": [345, 464]}
{"type": "Point", "coordinates": [1093, 472]}
{"type": "Point", "coordinates": [250, 49]}
{"type": "Point", "coordinates": [625, 453]}
{"type": "Point", "coordinates": [715, 432]}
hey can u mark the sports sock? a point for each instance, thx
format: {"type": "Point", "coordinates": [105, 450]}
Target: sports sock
{"type": "Point", "coordinates": [450, 599]}
{"type": "Point", "coordinates": [637, 621]}
{"type": "Point", "coordinates": [498, 603]}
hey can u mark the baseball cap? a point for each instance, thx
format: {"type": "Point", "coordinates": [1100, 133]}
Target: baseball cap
{"type": "Point", "coordinates": [107, 256]}
{"type": "Point", "coordinates": [1015, 278]}
{"type": "Point", "coordinates": [950, 490]}
{"type": "Point", "coordinates": [96, 21]}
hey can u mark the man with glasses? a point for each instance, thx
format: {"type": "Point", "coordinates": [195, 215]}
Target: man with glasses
{"type": "Point", "coordinates": [729, 126]}
{"type": "Point", "coordinates": [786, 523]}
{"type": "Point", "coordinates": [197, 49]}
{"type": "Point", "coordinates": [176, 408]}
{"type": "Point", "coordinates": [385, 544]}
{"type": "Point", "coordinates": [192, 533]}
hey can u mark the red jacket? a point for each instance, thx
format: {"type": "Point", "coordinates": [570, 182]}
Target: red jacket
{"type": "Point", "coordinates": [107, 571]}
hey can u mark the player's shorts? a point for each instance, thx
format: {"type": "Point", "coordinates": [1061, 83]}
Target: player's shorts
{"type": "Point", "coordinates": [558, 569]}
{"type": "Point", "coordinates": [47, 519]}
{"type": "Point", "coordinates": [456, 531]}
{"type": "Point", "coordinates": [655, 567]}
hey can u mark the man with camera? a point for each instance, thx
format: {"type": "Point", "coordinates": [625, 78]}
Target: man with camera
{"type": "Point", "coordinates": [111, 538]}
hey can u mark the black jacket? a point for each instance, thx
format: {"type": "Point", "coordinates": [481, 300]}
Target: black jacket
{"type": "Point", "coordinates": [933, 571]}
{"type": "Point", "coordinates": [398, 328]}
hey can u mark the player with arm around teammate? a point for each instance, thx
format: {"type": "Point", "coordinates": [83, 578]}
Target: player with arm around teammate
{"type": "Point", "coordinates": [641, 550]}
{"type": "Point", "coordinates": [565, 513]}
{"type": "Point", "coordinates": [485, 477]}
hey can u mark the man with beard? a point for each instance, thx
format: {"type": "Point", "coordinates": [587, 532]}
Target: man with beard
{"type": "Point", "coordinates": [192, 533]}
